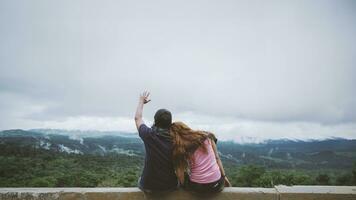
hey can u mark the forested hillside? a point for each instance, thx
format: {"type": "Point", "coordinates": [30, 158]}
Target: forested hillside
{"type": "Point", "coordinates": [38, 158]}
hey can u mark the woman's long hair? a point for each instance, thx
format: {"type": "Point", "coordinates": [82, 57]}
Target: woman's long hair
{"type": "Point", "coordinates": [185, 142]}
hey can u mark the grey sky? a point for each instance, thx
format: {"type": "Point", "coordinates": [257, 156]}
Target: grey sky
{"type": "Point", "coordinates": [265, 69]}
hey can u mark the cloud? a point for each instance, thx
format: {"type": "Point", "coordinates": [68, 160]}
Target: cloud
{"type": "Point", "coordinates": [225, 128]}
{"type": "Point", "coordinates": [92, 123]}
{"type": "Point", "coordinates": [242, 130]}
{"type": "Point", "coordinates": [275, 66]}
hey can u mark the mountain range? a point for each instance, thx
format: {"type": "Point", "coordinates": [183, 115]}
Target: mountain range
{"type": "Point", "coordinates": [334, 153]}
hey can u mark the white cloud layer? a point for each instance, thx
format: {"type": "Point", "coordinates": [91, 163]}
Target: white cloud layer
{"type": "Point", "coordinates": [226, 128]}
{"type": "Point", "coordinates": [269, 69]}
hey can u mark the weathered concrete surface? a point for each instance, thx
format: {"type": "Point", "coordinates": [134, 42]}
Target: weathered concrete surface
{"type": "Point", "coordinates": [278, 193]}
{"type": "Point", "coordinates": [130, 193]}
{"type": "Point", "coordinates": [316, 192]}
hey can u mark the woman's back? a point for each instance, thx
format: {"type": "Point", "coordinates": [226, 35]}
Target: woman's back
{"type": "Point", "coordinates": [203, 165]}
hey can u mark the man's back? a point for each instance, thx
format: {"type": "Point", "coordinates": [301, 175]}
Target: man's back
{"type": "Point", "coordinates": [158, 172]}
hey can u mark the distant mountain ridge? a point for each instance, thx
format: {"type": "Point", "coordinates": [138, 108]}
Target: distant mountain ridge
{"type": "Point", "coordinates": [84, 133]}
{"type": "Point", "coordinates": [333, 153]}
{"type": "Point", "coordinates": [67, 143]}
{"type": "Point", "coordinates": [97, 133]}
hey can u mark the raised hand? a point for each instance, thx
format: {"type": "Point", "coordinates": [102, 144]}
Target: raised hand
{"type": "Point", "coordinates": [138, 115]}
{"type": "Point", "coordinates": [144, 97]}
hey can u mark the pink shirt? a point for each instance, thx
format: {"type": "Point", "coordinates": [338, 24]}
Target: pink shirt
{"type": "Point", "coordinates": [203, 166]}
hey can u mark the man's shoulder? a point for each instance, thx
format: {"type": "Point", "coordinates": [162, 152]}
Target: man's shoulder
{"type": "Point", "coordinates": [145, 132]}
{"type": "Point", "coordinates": [143, 127]}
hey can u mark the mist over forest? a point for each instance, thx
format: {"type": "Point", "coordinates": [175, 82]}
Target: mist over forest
{"type": "Point", "coordinates": [55, 158]}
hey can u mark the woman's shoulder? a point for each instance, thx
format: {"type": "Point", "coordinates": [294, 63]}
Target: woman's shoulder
{"type": "Point", "coordinates": [211, 136]}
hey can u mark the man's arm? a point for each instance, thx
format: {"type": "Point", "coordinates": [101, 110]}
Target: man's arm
{"type": "Point", "coordinates": [138, 116]}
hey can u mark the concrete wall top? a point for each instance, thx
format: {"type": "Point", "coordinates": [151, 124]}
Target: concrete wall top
{"type": "Point", "coordinates": [278, 193]}
{"type": "Point", "coordinates": [317, 189]}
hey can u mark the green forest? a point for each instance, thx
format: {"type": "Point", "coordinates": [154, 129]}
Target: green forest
{"type": "Point", "coordinates": [47, 169]}
{"type": "Point", "coordinates": [37, 159]}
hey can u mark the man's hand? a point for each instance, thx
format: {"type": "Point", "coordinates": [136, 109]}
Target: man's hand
{"type": "Point", "coordinates": [144, 97]}
{"type": "Point", "coordinates": [138, 116]}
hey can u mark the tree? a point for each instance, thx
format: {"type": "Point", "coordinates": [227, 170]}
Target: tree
{"type": "Point", "coordinates": [344, 179]}
{"type": "Point", "coordinates": [270, 179]}
{"type": "Point", "coordinates": [43, 182]}
{"type": "Point", "coordinates": [354, 174]}
{"type": "Point", "coordinates": [323, 179]}
{"type": "Point", "coordinates": [248, 176]}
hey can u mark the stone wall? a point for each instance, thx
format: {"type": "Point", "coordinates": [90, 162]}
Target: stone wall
{"type": "Point", "coordinates": [277, 193]}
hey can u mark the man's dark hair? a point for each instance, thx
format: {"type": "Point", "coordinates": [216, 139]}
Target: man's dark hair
{"type": "Point", "coordinates": [163, 118]}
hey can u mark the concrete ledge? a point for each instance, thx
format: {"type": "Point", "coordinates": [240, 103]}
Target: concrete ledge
{"type": "Point", "coordinates": [316, 192]}
{"type": "Point", "coordinates": [277, 193]}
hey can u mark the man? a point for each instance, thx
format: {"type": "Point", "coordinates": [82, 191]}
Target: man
{"type": "Point", "coordinates": [158, 173]}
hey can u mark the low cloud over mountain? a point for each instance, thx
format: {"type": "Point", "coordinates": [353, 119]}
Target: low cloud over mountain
{"type": "Point", "coordinates": [240, 69]}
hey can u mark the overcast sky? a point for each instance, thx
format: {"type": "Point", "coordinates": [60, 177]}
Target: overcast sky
{"type": "Point", "coordinates": [242, 69]}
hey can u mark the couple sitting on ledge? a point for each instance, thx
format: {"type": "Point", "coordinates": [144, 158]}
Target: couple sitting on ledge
{"type": "Point", "coordinates": [177, 156]}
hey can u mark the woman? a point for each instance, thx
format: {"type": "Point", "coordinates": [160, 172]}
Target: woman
{"type": "Point", "coordinates": [196, 160]}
